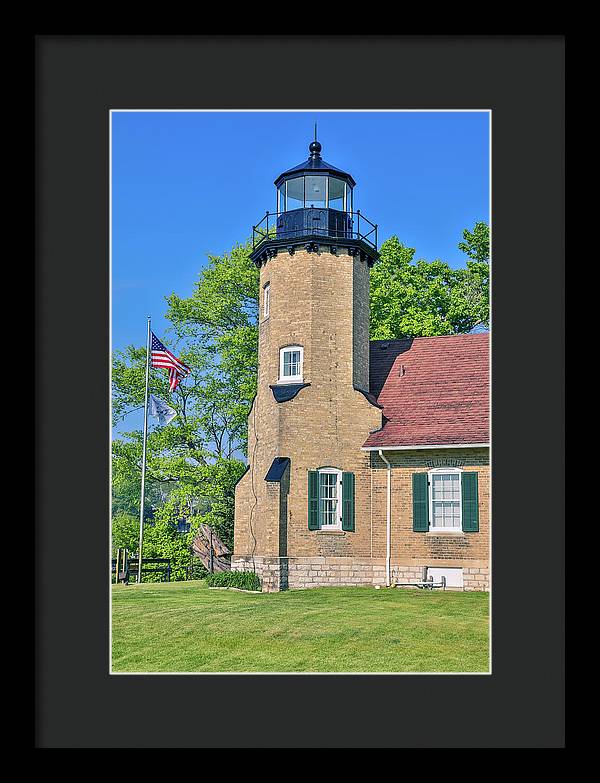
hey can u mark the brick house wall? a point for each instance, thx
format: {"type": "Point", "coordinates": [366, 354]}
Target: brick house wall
{"type": "Point", "coordinates": [411, 552]}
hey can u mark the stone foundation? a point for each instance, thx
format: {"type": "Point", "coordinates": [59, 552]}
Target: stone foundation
{"type": "Point", "coordinates": [476, 579]}
{"type": "Point", "coordinates": [296, 573]}
{"type": "Point", "coordinates": [411, 574]}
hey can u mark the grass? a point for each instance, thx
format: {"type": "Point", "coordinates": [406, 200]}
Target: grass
{"type": "Point", "coordinates": [185, 627]}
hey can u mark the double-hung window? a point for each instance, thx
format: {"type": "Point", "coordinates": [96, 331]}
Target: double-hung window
{"type": "Point", "coordinates": [445, 500]}
{"type": "Point", "coordinates": [330, 507]}
{"type": "Point", "coordinates": [290, 364]}
{"type": "Point", "coordinates": [330, 499]}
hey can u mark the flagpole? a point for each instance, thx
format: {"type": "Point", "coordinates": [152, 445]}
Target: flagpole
{"type": "Point", "coordinates": [141, 542]}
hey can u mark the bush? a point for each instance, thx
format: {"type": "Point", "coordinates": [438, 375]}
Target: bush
{"type": "Point", "coordinates": [162, 540]}
{"type": "Point", "coordinates": [244, 580]}
{"type": "Point", "coordinates": [125, 531]}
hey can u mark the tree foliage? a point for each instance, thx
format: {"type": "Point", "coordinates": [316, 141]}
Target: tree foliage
{"type": "Point", "coordinates": [477, 243]}
{"type": "Point", "coordinates": [474, 288]}
{"type": "Point", "coordinates": [125, 531]}
{"type": "Point", "coordinates": [221, 318]}
{"type": "Point", "coordinates": [194, 461]}
{"type": "Point", "coordinates": [427, 298]}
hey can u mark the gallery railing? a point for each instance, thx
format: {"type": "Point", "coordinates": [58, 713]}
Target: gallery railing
{"type": "Point", "coordinates": [314, 222]}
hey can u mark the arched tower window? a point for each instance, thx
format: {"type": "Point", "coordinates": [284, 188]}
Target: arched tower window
{"type": "Point", "coordinates": [291, 359]}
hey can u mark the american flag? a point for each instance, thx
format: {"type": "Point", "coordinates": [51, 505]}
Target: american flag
{"type": "Point", "coordinates": [161, 357]}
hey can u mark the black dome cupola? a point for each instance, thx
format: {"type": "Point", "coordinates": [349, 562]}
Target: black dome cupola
{"type": "Point", "coordinates": [314, 207]}
{"type": "Point", "coordinates": [315, 165]}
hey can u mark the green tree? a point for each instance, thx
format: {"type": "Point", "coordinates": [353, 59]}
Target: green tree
{"type": "Point", "coordinates": [427, 298]}
{"type": "Point", "coordinates": [162, 539]}
{"type": "Point", "coordinates": [472, 294]}
{"type": "Point", "coordinates": [194, 462]}
{"type": "Point", "coordinates": [477, 243]}
{"type": "Point", "coordinates": [125, 529]}
{"type": "Point", "coordinates": [221, 318]}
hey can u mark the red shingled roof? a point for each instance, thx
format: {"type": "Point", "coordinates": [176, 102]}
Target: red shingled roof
{"type": "Point", "coordinates": [441, 397]}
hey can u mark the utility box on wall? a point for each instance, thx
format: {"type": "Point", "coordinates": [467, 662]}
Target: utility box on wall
{"type": "Point", "coordinates": [454, 576]}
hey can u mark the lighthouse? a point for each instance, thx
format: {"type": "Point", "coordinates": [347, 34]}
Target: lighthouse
{"type": "Point", "coordinates": [306, 494]}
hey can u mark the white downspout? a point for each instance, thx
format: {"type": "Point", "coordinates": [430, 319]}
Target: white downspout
{"type": "Point", "coordinates": [388, 554]}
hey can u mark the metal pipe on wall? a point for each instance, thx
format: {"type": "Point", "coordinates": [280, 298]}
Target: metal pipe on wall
{"type": "Point", "coordinates": [388, 555]}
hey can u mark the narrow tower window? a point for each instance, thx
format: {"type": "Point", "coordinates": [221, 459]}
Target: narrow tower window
{"type": "Point", "coordinates": [266, 299]}
{"type": "Point", "coordinates": [290, 364]}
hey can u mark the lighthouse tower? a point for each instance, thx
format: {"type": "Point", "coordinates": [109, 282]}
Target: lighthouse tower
{"type": "Point", "coordinates": [305, 497]}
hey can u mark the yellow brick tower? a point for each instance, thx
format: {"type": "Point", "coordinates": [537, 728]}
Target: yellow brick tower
{"type": "Point", "coordinates": [305, 497]}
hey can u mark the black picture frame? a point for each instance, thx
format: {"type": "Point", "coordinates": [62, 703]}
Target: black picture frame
{"type": "Point", "coordinates": [78, 704]}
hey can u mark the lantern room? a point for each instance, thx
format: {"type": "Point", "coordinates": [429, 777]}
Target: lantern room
{"type": "Point", "coordinates": [315, 204]}
{"type": "Point", "coordinates": [314, 184]}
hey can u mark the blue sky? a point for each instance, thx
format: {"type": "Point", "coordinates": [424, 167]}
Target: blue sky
{"type": "Point", "coordinates": [189, 184]}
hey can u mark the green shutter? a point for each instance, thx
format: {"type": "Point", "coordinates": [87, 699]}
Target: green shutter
{"type": "Point", "coordinates": [313, 500]}
{"type": "Point", "coordinates": [470, 502]}
{"type": "Point", "coordinates": [420, 502]}
{"type": "Point", "coordinates": [348, 501]}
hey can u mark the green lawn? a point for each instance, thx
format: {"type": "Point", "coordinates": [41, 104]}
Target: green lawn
{"type": "Point", "coordinates": [185, 627]}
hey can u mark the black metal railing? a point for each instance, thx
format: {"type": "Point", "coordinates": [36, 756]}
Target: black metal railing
{"type": "Point", "coordinates": [314, 221]}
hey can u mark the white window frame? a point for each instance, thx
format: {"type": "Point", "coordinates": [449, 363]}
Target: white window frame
{"type": "Point", "coordinates": [266, 300]}
{"type": "Point", "coordinates": [281, 191]}
{"type": "Point", "coordinates": [430, 475]}
{"type": "Point", "coordinates": [338, 474]}
{"type": "Point", "coordinates": [290, 378]}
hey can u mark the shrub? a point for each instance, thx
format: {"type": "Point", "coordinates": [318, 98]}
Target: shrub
{"type": "Point", "coordinates": [244, 580]}
{"type": "Point", "coordinates": [125, 531]}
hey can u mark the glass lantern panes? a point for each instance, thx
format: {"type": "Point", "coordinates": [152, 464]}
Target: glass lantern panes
{"type": "Point", "coordinates": [445, 500]}
{"type": "Point", "coordinates": [328, 498]}
{"type": "Point", "coordinates": [315, 191]}
{"type": "Point", "coordinates": [336, 193]}
{"type": "Point", "coordinates": [295, 193]}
